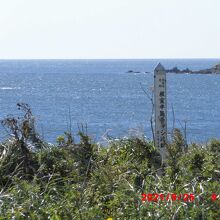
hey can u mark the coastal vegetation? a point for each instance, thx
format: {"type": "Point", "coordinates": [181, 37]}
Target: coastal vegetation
{"type": "Point", "coordinates": [84, 180]}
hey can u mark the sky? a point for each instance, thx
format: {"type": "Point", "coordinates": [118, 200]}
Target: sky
{"type": "Point", "coordinates": [109, 29]}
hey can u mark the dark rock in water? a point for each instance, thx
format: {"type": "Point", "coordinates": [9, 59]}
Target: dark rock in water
{"type": "Point", "coordinates": [213, 70]}
{"type": "Point", "coordinates": [131, 71]}
{"type": "Point", "coordinates": [187, 70]}
{"type": "Point", "coordinates": [177, 70]}
{"type": "Point", "coordinates": [216, 68]}
{"type": "Point", "coordinates": [205, 71]}
{"type": "Point", "coordinates": [173, 70]}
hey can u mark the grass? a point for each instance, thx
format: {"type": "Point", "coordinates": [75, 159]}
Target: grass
{"type": "Point", "coordinates": [84, 180]}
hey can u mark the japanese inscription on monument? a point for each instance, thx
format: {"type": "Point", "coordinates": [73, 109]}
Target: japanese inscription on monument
{"type": "Point", "coordinates": [160, 104]}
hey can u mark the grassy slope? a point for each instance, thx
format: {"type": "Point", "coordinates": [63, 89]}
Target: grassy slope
{"type": "Point", "coordinates": [87, 181]}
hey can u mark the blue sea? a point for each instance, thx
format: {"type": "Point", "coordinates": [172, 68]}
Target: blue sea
{"type": "Point", "coordinates": [103, 96]}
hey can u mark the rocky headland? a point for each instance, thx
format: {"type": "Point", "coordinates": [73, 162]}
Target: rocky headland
{"type": "Point", "coordinates": [213, 70]}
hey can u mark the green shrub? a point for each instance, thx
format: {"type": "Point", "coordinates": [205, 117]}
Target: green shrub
{"type": "Point", "coordinates": [87, 181]}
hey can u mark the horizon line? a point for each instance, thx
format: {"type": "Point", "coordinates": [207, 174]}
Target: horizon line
{"type": "Point", "coordinates": [178, 58]}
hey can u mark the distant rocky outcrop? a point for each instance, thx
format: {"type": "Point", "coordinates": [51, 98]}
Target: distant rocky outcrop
{"type": "Point", "coordinates": [213, 70]}
{"type": "Point", "coordinates": [131, 71]}
{"type": "Point", "coordinates": [177, 70]}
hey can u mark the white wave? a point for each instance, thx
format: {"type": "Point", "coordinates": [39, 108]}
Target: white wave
{"type": "Point", "coordinates": [9, 88]}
